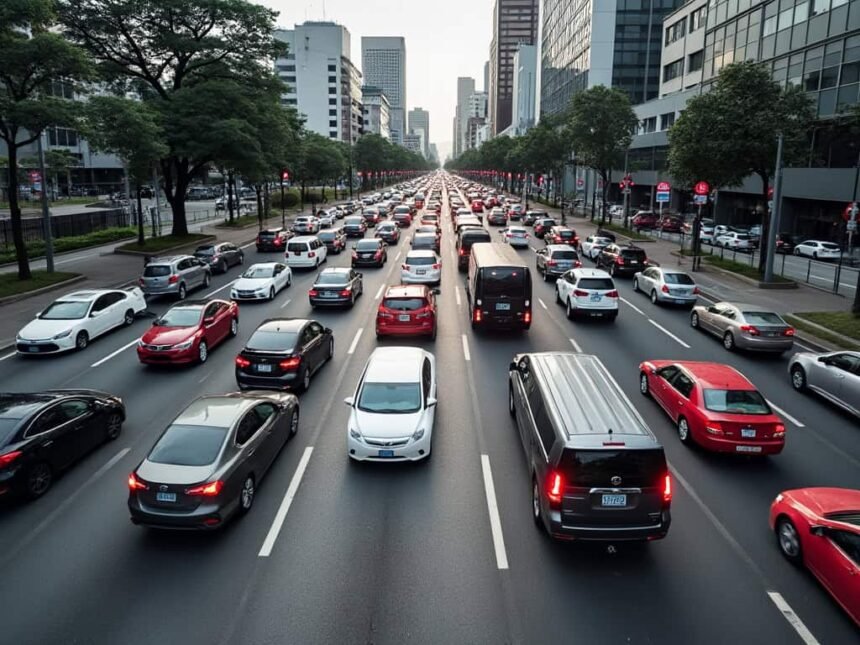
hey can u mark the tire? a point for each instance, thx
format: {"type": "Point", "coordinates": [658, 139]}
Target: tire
{"type": "Point", "coordinates": [114, 426]}
{"type": "Point", "coordinates": [684, 433]}
{"type": "Point", "coordinates": [815, 255]}
{"type": "Point", "coordinates": [694, 320]}
{"type": "Point", "coordinates": [246, 495]}
{"type": "Point", "coordinates": [569, 311]}
{"type": "Point", "coordinates": [290, 280]}
{"type": "Point", "coordinates": [433, 334]}
{"type": "Point", "coordinates": [206, 280]}
{"type": "Point", "coordinates": [798, 378]}
{"type": "Point", "coordinates": [82, 340]}
{"type": "Point", "coordinates": [202, 352]}
{"type": "Point", "coordinates": [128, 318]}
{"type": "Point", "coordinates": [183, 291]}
{"type": "Point", "coordinates": [241, 259]}
{"type": "Point", "coordinates": [234, 327]}
{"type": "Point", "coordinates": [306, 380]}
{"type": "Point", "coordinates": [511, 406]}
{"type": "Point", "coordinates": [294, 424]}
{"type": "Point", "coordinates": [537, 516]}
{"type": "Point", "coordinates": [788, 540]}
{"type": "Point", "coordinates": [654, 300]}
{"type": "Point", "coordinates": [330, 349]}
{"type": "Point", "coordinates": [545, 275]}
{"type": "Point", "coordinates": [38, 480]}
{"type": "Point", "coordinates": [644, 389]}
{"type": "Point", "coordinates": [222, 266]}
{"type": "Point", "coordinates": [558, 296]}
{"type": "Point", "coordinates": [635, 285]}
{"type": "Point", "coordinates": [729, 341]}
{"type": "Point", "coordinates": [797, 252]}
{"type": "Point", "coordinates": [271, 293]}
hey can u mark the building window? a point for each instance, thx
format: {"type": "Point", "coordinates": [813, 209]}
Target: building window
{"type": "Point", "coordinates": [649, 125]}
{"type": "Point", "coordinates": [697, 19]}
{"type": "Point", "coordinates": [332, 79]}
{"type": "Point", "coordinates": [332, 68]}
{"type": "Point", "coordinates": [62, 137]}
{"type": "Point", "coordinates": [666, 120]}
{"type": "Point", "coordinates": [332, 101]}
{"type": "Point", "coordinates": [332, 90]}
{"type": "Point", "coordinates": [332, 134]}
{"type": "Point", "coordinates": [332, 112]}
{"type": "Point", "coordinates": [291, 102]}
{"type": "Point", "coordinates": [332, 124]}
{"type": "Point", "coordinates": [62, 89]}
{"type": "Point", "coordinates": [673, 70]}
{"type": "Point", "coordinates": [676, 31]}
{"type": "Point", "coordinates": [695, 61]}
{"type": "Point", "coordinates": [289, 79]}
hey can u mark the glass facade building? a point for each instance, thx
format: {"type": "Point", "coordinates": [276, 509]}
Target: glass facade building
{"type": "Point", "coordinates": [514, 22]}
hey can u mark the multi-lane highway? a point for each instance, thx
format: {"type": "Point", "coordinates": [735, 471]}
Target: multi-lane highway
{"type": "Point", "coordinates": [437, 552]}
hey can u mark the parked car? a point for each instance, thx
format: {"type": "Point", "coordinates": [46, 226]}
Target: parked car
{"type": "Point", "coordinates": [220, 256]}
{"type": "Point", "coordinates": [273, 239]}
{"type": "Point", "coordinates": [371, 252]}
{"type": "Point", "coordinates": [555, 260]}
{"type": "Point", "coordinates": [743, 326]}
{"type": "Point", "coordinates": [644, 220]}
{"type": "Point", "coordinates": [818, 250]}
{"type": "Point", "coordinates": [734, 240]}
{"type": "Point", "coordinates": [186, 333]}
{"type": "Point", "coordinates": [666, 286]}
{"type": "Point", "coordinates": [407, 310]}
{"type": "Point", "coordinates": [587, 292]}
{"type": "Point", "coordinates": [336, 286]}
{"type": "Point", "coordinates": [174, 276]}
{"type": "Point", "coordinates": [834, 375]}
{"type": "Point", "coordinates": [621, 260]}
{"type": "Point", "coordinates": [262, 281]}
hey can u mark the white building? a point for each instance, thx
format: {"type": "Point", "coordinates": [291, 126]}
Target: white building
{"type": "Point", "coordinates": [322, 82]}
{"type": "Point", "coordinates": [419, 119]}
{"type": "Point", "coordinates": [377, 112]}
{"type": "Point", "coordinates": [525, 82]}
{"type": "Point", "coordinates": [383, 62]}
{"type": "Point", "coordinates": [465, 89]}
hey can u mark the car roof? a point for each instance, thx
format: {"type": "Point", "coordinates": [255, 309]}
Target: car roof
{"type": "Point", "coordinates": [744, 306]}
{"type": "Point", "coordinates": [716, 376]}
{"type": "Point", "coordinates": [407, 291]}
{"type": "Point", "coordinates": [84, 296]}
{"type": "Point", "coordinates": [828, 501]}
{"type": "Point", "coordinates": [303, 238]}
{"type": "Point", "coordinates": [219, 410]}
{"type": "Point", "coordinates": [424, 234]}
{"type": "Point", "coordinates": [421, 253]}
{"type": "Point", "coordinates": [395, 365]}
{"type": "Point", "coordinates": [282, 324]}
{"type": "Point", "coordinates": [338, 270]}
{"type": "Point", "coordinates": [590, 273]}
{"type": "Point", "coordinates": [168, 259]}
{"type": "Point", "coordinates": [558, 247]}
{"type": "Point", "coordinates": [14, 405]}
{"type": "Point", "coordinates": [267, 265]}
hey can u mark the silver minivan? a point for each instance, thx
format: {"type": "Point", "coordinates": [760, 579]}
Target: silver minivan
{"type": "Point", "coordinates": [174, 276]}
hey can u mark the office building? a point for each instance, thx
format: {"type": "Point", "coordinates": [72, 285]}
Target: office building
{"type": "Point", "coordinates": [465, 89]}
{"type": "Point", "coordinates": [515, 22]}
{"type": "Point", "coordinates": [383, 62]}
{"type": "Point", "coordinates": [322, 82]}
{"type": "Point", "coordinates": [419, 119]}
{"type": "Point", "coordinates": [524, 96]}
{"type": "Point", "coordinates": [377, 112]}
{"type": "Point", "coordinates": [413, 141]}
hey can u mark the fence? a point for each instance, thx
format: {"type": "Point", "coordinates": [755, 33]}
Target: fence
{"type": "Point", "coordinates": [65, 225]}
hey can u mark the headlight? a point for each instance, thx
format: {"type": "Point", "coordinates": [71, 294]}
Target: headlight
{"type": "Point", "coordinates": [62, 334]}
{"type": "Point", "coordinates": [419, 433]}
{"type": "Point", "coordinates": [355, 434]}
{"type": "Point", "coordinates": [187, 344]}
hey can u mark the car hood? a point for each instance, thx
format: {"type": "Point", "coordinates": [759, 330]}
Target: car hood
{"type": "Point", "coordinates": [40, 329]}
{"type": "Point", "coordinates": [385, 426]}
{"type": "Point", "coordinates": [251, 284]}
{"type": "Point", "coordinates": [822, 501]}
{"type": "Point", "coordinates": [172, 474]}
{"type": "Point", "coordinates": [167, 335]}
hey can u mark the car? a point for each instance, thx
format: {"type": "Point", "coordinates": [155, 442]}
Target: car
{"type": "Point", "coordinates": [466, 237]}
{"type": "Point", "coordinates": [644, 220]}
{"type": "Point", "coordinates": [542, 226]}
{"type": "Point", "coordinates": [713, 406]}
{"type": "Point", "coordinates": [498, 288]}
{"type": "Point", "coordinates": [706, 234]}
{"type": "Point", "coordinates": [744, 326]}
{"type": "Point", "coordinates": [561, 235]}
{"type": "Point", "coordinates": [371, 252]}
{"type": "Point", "coordinates": [334, 239]}
{"type": "Point", "coordinates": [174, 276]}
{"type": "Point", "coordinates": [187, 332]}
{"type": "Point", "coordinates": [466, 221]}
{"type": "Point", "coordinates": [423, 240]}
{"type": "Point", "coordinates": [818, 250]}
{"type": "Point", "coordinates": [516, 212]}
{"type": "Point", "coordinates": [593, 245]}
{"type": "Point", "coordinates": [516, 236]}
{"type": "Point", "coordinates": [785, 242]}
{"type": "Point", "coordinates": [666, 286]}
{"type": "Point", "coordinates": [833, 375]}
{"type": "Point", "coordinates": [531, 216]}
{"type": "Point", "coordinates": [272, 239]}
{"type": "Point", "coordinates": [393, 410]}
{"type": "Point", "coordinates": [616, 210]}
{"type": "Point", "coordinates": [431, 228]}
{"type": "Point", "coordinates": [735, 240]}
{"type": "Point", "coordinates": [555, 260]}
{"type": "Point", "coordinates": [306, 225]}
{"type": "Point", "coordinates": [818, 528]}
{"type": "Point", "coordinates": [595, 469]}
{"type": "Point", "coordinates": [336, 286]}
{"type": "Point", "coordinates": [220, 256]}
{"type": "Point", "coordinates": [71, 321]}
{"type": "Point", "coordinates": [327, 218]}
{"type": "Point", "coordinates": [262, 281]}
{"type": "Point", "coordinates": [372, 216]}
{"type": "Point", "coordinates": [305, 252]}
{"type": "Point", "coordinates": [621, 260]}
{"type": "Point", "coordinates": [354, 226]}
{"type": "Point", "coordinates": [477, 206]}
{"type": "Point", "coordinates": [497, 217]}
{"type": "Point", "coordinates": [402, 216]}
{"type": "Point", "coordinates": [45, 433]}
{"type": "Point", "coordinates": [430, 219]}
{"type": "Point", "coordinates": [421, 267]}
{"type": "Point", "coordinates": [388, 231]}
{"type": "Point", "coordinates": [407, 310]}
{"type": "Point", "coordinates": [588, 292]}
{"type": "Point", "coordinates": [206, 466]}
{"type": "Point", "coordinates": [671, 224]}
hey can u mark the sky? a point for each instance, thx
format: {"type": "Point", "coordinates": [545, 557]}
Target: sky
{"type": "Point", "coordinates": [444, 39]}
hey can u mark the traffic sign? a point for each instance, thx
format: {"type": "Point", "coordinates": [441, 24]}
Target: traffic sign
{"type": "Point", "coordinates": [700, 199]}
{"type": "Point", "coordinates": [701, 188]}
{"type": "Point", "coordinates": [850, 212]}
{"type": "Point", "coordinates": [851, 226]}
{"type": "Point", "coordinates": [662, 196]}
{"type": "Point", "coordinates": [663, 187]}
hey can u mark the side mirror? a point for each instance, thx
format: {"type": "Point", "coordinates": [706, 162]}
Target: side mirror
{"type": "Point", "coordinates": [653, 370]}
{"type": "Point", "coordinates": [431, 402]}
{"type": "Point", "coordinates": [350, 401]}
{"type": "Point", "coordinates": [95, 314]}
{"type": "Point", "coordinates": [156, 322]}
{"type": "Point", "coordinates": [512, 367]}
{"type": "Point", "coordinates": [817, 531]}
{"type": "Point", "coordinates": [435, 291]}
{"type": "Point", "coordinates": [39, 313]}
{"type": "Point", "coordinates": [328, 330]}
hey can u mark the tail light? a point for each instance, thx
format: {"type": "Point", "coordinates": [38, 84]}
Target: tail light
{"type": "Point", "coordinates": [619, 260]}
{"type": "Point", "coordinates": [579, 293]}
{"type": "Point", "coordinates": [438, 265]}
{"type": "Point", "coordinates": [290, 363]}
{"type": "Point", "coordinates": [173, 279]}
{"type": "Point", "coordinates": [259, 239]}
{"type": "Point", "coordinates": [354, 255]}
{"type": "Point", "coordinates": [752, 330]}
{"type": "Point", "coordinates": [384, 313]}
{"type": "Point", "coordinates": [788, 332]}
{"type": "Point", "coordinates": [476, 315]}
{"type": "Point", "coordinates": [312, 254]}
{"type": "Point", "coordinates": [462, 251]}
{"type": "Point", "coordinates": [426, 312]}
{"type": "Point", "coordinates": [554, 488]}
{"type": "Point", "coordinates": [551, 263]}
{"type": "Point", "coordinates": [576, 239]}
{"type": "Point", "coordinates": [696, 291]}
{"type": "Point", "coordinates": [527, 317]}
{"type": "Point", "coordinates": [779, 431]}
{"type": "Point", "coordinates": [278, 241]}
{"type": "Point", "coordinates": [211, 489]}
{"type": "Point", "coordinates": [577, 264]}
{"type": "Point", "coordinates": [346, 293]}
{"type": "Point", "coordinates": [714, 428]}
{"type": "Point", "coordinates": [242, 362]}
{"type": "Point", "coordinates": [141, 281]}
{"type": "Point", "coordinates": [405, 267]}
{"type": "Point", "coordinates": [378, 254]}
{"type": "Point", "coordinates": [136, 484]}
{"type": "Point", "coordinates": [9, 457]}
{"type": "Point", "coordinates": [664, 289]}
{"type": "Point", "coordinates": [612, 294]}
{"type": "Point", "coordinates": [667, 488]}
{"type": "Point", "coordinates": [313, 293]}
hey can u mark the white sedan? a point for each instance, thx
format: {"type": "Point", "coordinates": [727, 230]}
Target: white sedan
{"type": "Point", "coordinates": [516, 236]}
{"type": "Point", "coordinates": [593, 245]}
{"type": "Point", "coordinates": [818, 250]}
{"type": "Point", "coordinates": [72, 321]}
{"type": "Point", "coordinates": [262, 281]}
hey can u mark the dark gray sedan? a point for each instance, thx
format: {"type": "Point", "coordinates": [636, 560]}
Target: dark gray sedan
{"type": "Point", "coordinates": [207, 464]}
{"type": "Point", "coordinates": [220, 256]}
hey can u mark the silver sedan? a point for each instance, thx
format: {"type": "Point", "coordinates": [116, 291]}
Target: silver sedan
{"type": "Point", "coordinates": [835, 376]}
{"type": "Point", "coordinates": [742, 326]}
{"type": "Point", "coordinates": [667, 286]}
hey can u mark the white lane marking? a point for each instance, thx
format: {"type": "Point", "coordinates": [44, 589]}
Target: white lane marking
{"type": "Point", "coordinates": [281, 515]}
{"type": "Point", "coordinates": [379, 293]}
{"type": "Point", "coordinates": [785, 414]}
{"type": "Point", "coordinates": [576, 346]}
{"type": "Point", "coordinates": [245, 246]}
{"type": "Point", "coordinates": [632, 306]}
{"type": "Point", "coordinates": [397, 257]}
{"type": "Point", "coordinates": [466, 353]}
{"type": "Point", "coordinates": [206, 376]}
{"type": "Point", "coordinates": [77, 259]}
{"type": "Point", "coordinates": [493, 508]}
{"type": "Point", "coordinates": [112, 354]}
{"type": "Point", "coordinates": [212, 293]}
{"type": "Point", "coordinates": [354, 342]}
{"type": "Point", "coordinates": [286, 302]}
{"type": "Point", "coordinates": [669, 334]}
{"type": "Point", "coordinates": [792, 618]}
{"type": "Point", "coordinates": [456, 295]}
{"type": "Point", "coordinates": [11, 354]}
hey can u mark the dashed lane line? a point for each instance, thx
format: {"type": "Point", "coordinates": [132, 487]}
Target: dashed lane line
{"type": "Point", "coordinates": [541, 303]}
{"type": "Point", "coordinates": [115, 353]}
{"type": "Point", "coordinates": [669, 334]}
{"type": "Point", "coordinates": [632, 306]}
{"type": "Point", "coordinates": [289, 496]}
{"type": "Point", "coordinates": [576, 345]}
{"type": "Point", "coordinates": [466, 354]}
{"type": "Point", "coordinates": [355, 340]}
{"type": "Point", "coordinates": [493, 509]}
{"type": "Point", "coordinates": [785, 414]}
{"type": "Point", "coordinates": [792, 618]}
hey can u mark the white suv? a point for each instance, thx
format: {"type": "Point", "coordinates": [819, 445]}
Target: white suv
{"type": "Point", "coordinates": [735, 240]}
{"type": "Point", "coordinates": [306, 224]}
{"type": "Point", "coordinates": [394, 406]}
{"type": "Point", "coordinates": [306, 251]}
{"type": "Point", "coordinates": [587, 292]}
{"type": "Point", "coordinates": [422, 267]}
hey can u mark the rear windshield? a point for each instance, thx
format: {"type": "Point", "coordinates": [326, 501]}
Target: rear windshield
{"type": "Point", "coordinates": [735, 402]}
{"type": "Point", "coordinates": [185, 445]}
{"type": "Point", "coordinates": [268, 233]}
{"type": "Point", "coordinates": [762, 318]}
{"type": "Point", "coordinates": [332, 278]}
{"type": "Point", "coordinates": [419, 260]}
{"type": "Point", "coordinates": [401, 209]}
{"type": "Point", "coordinates": [632, 253]}
{"type": "Point", "coordinates": [564, 255]}
{"type": "Point", "coordinates": [272, 341]}
{"type": "Point", "coordinates": [830, 246]}
{"type": "Point", "coordinates": [677, 278]}
{"type": "Point", "coordinates": [470, 238]}
{"type": "Point", "coordinates": [424, 240]}
{"type": "Point", "coordinates": [367, 245]}
{"type": "Point", "coordinates": [404, 304]}
{"type": "Point", "coordinates": [597, 467]}
{"type": "Point", "coordinates": [327, 235]}
{"type": "Point", "coordinates": [353, 221]}
{"type": "Point", "coordinates": [595, 283]}
{"type": "Point", "coordinates": [566, 234]}
{"type": "Point", "coordinates": [300, 247]}
{"type": "Point", "coordinates": [205, 250]}
{"type": "Point", "coordinates": [502, 281]}
{"type": "Point", "coordinates": [156, 271]}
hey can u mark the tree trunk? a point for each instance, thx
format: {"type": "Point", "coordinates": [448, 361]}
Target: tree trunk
{"type": "Point", "coordinates": [259, 190]}
{"type": "Point", "coordinates": [177, 177]}
{"type": "Point", "coordinates": [302, 197]}
{"type": "Point", "coordinates": [604, 174]}
{"type": "Point", "coordinates": [765, 222]}
{"type": "Point", "coordinates": [230, 193]}
{"type": "Point", "coordinates": [267, 200]}
{"type": "Point", "coordinates": [15, 212]}
{"type": "Point", "coordinates": [140, 237]}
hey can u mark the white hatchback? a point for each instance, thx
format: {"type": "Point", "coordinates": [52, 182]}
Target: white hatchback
{"type": "Point", "coordinates": [262, 281]}
{"type": "Point", "coordinates": [305, 251]}
{"type": "Point", "coordinates": [818, 250]}
{"type": "Point", "coordinates": [587, 292]}
{"type": "Point", "coordinates": [394, 406]}
{"type": "Point", "coordinates": [422, 267]}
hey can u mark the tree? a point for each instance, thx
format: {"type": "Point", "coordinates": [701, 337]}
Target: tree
{"type": "Point", "coordinates": [734, 129]}
{"type": "Point", "coordinates": [192, 60]}
{"type": "Point", "coordinates": [600, 125]}
{"type": "Point", "coordinates": [32, 57]}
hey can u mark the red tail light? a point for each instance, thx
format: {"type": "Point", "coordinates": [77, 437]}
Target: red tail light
{"type": "Point", "coordinates": [259, 239]}
{"type": "Point", "coordinates": [779, 431]}
{"type": "Point", "coordinates": [243, 362]}
{"type": "Point", "coordinates": [278, 241]}
{"type": "Point", "coordinates": [476, 315]}
{"type": "Point", "coordinates": [752, 330]}
{"type": "Point", "coordinates": [378, 254]}
{"type": "Point", "coordinates": [579, 293]}
{"type": "Point", "coordinates": [140, 281]}
{"type": "Point", "coordinates": [312, 254]}
{"type": "Point", "coordinates": [354, 255]}
{"type": "Point", "coordinates": [667, 488]}
{"type": "Point", "coordinates": [619, 260]}
{"type": "Point", "coordinates": [346, 293]}
{"type": "Point", "coordinates": [576, 239]}
{"type": "Point", "coordinates": [462, 251]}
{"type": "Point", "coordinates": [384, 313]}
{"type": "Point", "coordinates": [313, 293]}
{"type": "Point", "coordinates": [788, 332]}
{"type": "Point", "coordinates": [612, 294]}
{"type": "Point", "coordinates": [206, 490]}
{"type": "Point", "coordinates": [135, 484]}
{"type": "Point", "coordinates": [290, 363]}
{"type": "Point", "coordinates": [577, 264]}
{"type": "Point", "coordinates": [714, 428]}
{"type": "Point", "coordinates": [554, 487]}
{"type": "Point", "coordinates": [9, 457]}
{"type": "Point", "coordinates": [425, 312]}
{"type": "Point", "coordinates": [664, 289]}
{"type": "Point", "coordinates": [438, 265]}
{"type": "Point", "coordinates": [696, 291]}
{"type": "Point", "coordinates": [527, 317]}
{"type": "Point", "coordinates": [551, 263]}
{"type": "Point", "coordinates": [173, 279]}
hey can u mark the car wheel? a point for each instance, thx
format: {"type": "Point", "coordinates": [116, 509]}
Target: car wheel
{"type": "Point", "coordinates": [290, 280]}
{"type": "Point", "coordinates": [558, 296]}
{"type": "Point", "coordinates": [113, 425]}
{"type": "Point", "coordinates": [694, 320]}
{"type": "Point", "coordinates": [644, 390]}
{"type": "Point", "coordinates": [271, 293]}
{"type": "Point", "coordinates": [246, 495]}
{"type": "Point", "coordinates": [635, 285]}
{"type": "Point", "coordinates": [206, 280]}
{"type": "Point", "coordinates": [294, 423]}
{"type": "Point", "coordinates": [653, 296]}
{"type": "Point", "coordinates": [798, 378]}
{"type": "Point", "coordinates": [306, 379]}
{"type": "Point", "coordinates": [788, 540]}
{"type": "Point", "coordinates": [39, 479]}
{"type": "Point", "coordinates": [815, 255]}
{"type": "Point", "coordinates": [202, 351]}
{"type": "Point", "coordinates": [684, 431]}
{"type": "Point", "coordinates": [180, 295]}
{"type": "Point", "coordinates": [729, 341]}
{"type": "Point", "coordinates": [222, 266]}
{"type": "Point", "coordinates": [569, 311]}
{"type": "Point", "coordinates": [234, 327]}
{"type": "Point", "coordinates": [241, 259]}
{"type": "Point", "coordinates": [545, 275]}
{"type": "Point", "coordinates": [81, 340]}
{"type": "Point", "coordinates": [511, 406]}
{"type": "Point", "coordinates": [330, 348]}
{"type": "Point", "coordinates": [536, 514]}
{"type": "Point", "coordinates": [128, 318]}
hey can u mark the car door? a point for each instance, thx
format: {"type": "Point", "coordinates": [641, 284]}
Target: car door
{"type": "Point", "coordinates": [223, 318]}
{"type": "Point", "coordinates": [280, 277]}
{"type": "Point", "coordinates": [838, 566]}
{"type": "Point", "coordinates": [99, 317]}
{"type": "Point", "coordinates": [273, 432]}
{"type": "Point", "coordinates": [522, 383]}
{"type": "Point", "coordinates": [320, 349]}
{"type": "Point", "coordinates": [428, 386]}
{"type": "Point", "coordinates": [831, 374]}
{"type": "Point", "coordinates": [211, 324]}
{"type": "Point", "coordinates": [59, 433]}
{"type": "Point", "coordinates": [661, 389]}
{"type": "Point", "coordinates": [540, 259]}
{"type": "Point", "coordinates": [355, 281]}
{"type": "Point", "coordinates": [565, 285]}
{"type": "Point", "coordinates": [115, 310]}
{"type": "Point", "coordinates": [308, 348]}
{"type": "Point", "coordinates": [252, 456]}
{"type": "Point", "coordinates": [678, 399]}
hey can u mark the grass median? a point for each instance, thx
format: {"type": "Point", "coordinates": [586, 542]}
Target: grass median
{"type": "Point", "coordinates": [844, 325]}
{"type": "Point", "coordinates": [633, 235]}
{"type": "Point", "coordinates": [239, 222]}
{"type": "Point", "coordinates": [158, 244]}
{"type": "Point", "coordinates": [732, 266]}
{"type": "Point", "coordinates": [36, 249]}
{"type": "Point", "coordinates": [10, 285]}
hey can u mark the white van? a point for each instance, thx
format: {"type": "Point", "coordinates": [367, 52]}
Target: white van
{"type": "Point", "coordinates": [305, 251]}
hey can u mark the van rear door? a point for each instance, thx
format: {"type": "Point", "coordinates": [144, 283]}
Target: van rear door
{"type": "Point", "coordinates": [505, 296]}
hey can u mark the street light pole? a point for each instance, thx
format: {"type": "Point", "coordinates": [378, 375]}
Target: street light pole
{"type": "Point", "coordinates": [46, 213]}
{"type": "Point", "coordinates": [283, 203]}
{"type": "Point", "coordinates": [774, 214]}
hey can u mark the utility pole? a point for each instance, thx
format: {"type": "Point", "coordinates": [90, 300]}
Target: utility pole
{"type": "Point", "coordinates": [46, 212]}
{"type": "Point", "coordinates": [854, 218]}
{"type": "Point", "coordinates": [773, 226]}
{"type": "Point", "coordinates": [156, 219]}
{"type": "Point", "coordinates": [127, 188]}
{"type": "Point", "coordinates": [626, 191]}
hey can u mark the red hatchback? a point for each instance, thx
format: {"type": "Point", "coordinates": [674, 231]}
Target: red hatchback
{"type": "Point", "coordinates": [187, 333]}
{"type": "Point", "coordinates": [714, 406]}
{"type": "Point", "coordinates": [820, 528]}
{"type": "Point", "coordinates": [477, 206]}
{"type": "Point", "coordinates": [407, 310]}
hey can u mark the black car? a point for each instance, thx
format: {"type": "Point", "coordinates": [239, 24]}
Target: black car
{"type": "Point", "coordinates": [336, 286]}
{"type": "Point", "coordinates": [333, 238]}
{"type": "Point", "coordinates": [354, 226]}
{"type": "Point", "coordinates": [206, 466]}
{"type": "Point", "coordinates": [465, 239]}
{"type": "Point", "coordinates": [370, 252]}
{"type": "Point", "coordinates": [284, 353]}
{"type": "Point", "coordinates": [273, 239]}
{"type": "Point", "coordinates": [531, 216]}
{"type": "Point", "coordinates": [389, 232]}
{"type": "Point", "coordinates": [220, 256]}
{"type": "Point", "coordinates": [622, 260]}
{"type": "Point", "coordinates": [42, 434]}
{"type": "Point", "coordinates": [426, 241]}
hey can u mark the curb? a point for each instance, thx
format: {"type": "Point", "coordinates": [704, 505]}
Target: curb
{"type": "Point", "coordinates": [777, 286]}
{"type": "Point", "coordinates": [62, 253]}
{"type": "Point", "coordinates": [172, 249]}
{"type": "Point", "coordinates": [29, 294]}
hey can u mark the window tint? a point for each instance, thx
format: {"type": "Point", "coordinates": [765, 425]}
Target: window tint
{"type": "Point", "coordinates": [762, 318]}
{"type": "Point", "coordinates": [249, 424]}
{"type": "Point", "coordinates": [404, 304]}
{"type": "Point", "coordinates": [48, 420]}
{"type": "Point", "coordinates": [390, 398]}
{"type": "Point", "coordinates": [297, 247]}
{"type": "Point", "coordinates": [677, 278]}
{"type": "Point", "coordinates": [426, 378]}
{"type": "Point", "coordinates": [541, 418]}
{"type": "Point", "coordinates": [74, 409]}
{"type": "Point", "coordinates": [502, 281]}
{"type": "Point", "coordinates": [267, 341]}
{"type": "Point", "coordinates": [596, 467]}
{"type": "Point", "coordinates": [183, 445]}
{"type": "Point", "coordinates": [735, 402]}
{"type": "Point", "coordinates": [683, 384]}
{"type": "Point", "coordinates": [156, 271]}
{"type": "Point", "coordinates": [565, 255]}
{"type": "Point", "coordinates": [846, 362]}
{"type": "Point", "coordinates": [417, 260]}
{"type": "Point", "coordinates": [848, 542]}
{"type": "Point", "coordinates": [633, 253]}
{"type": "Point", "coordinates": [307, 336]}
{"type": "Point", "coordinates": [596, 283]}
{"type": "Point", "coordinates": [668, 373]}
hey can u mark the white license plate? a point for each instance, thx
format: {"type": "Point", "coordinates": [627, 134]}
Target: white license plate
{"type": "Point", "coordinates": [403, 317]}
{"type": "Point", "coordinates": [32, 348]}
{"type": "Point", "coordinates": [503, 306]}
{"type": "Point", "coordinates": [613, 500]}
{"type": "Point", "coordinates": [165, 497]}
{"type": "Point", "coordinates": [748, 433]}
{"type": "Point", "coordinates": [747, 448]}
{"type": "Point", "coordinates": [264, 368]}
{"type": "Point", "coordinates": [421, 271]}
{"type": "Point", "coordinates": [328, 295]}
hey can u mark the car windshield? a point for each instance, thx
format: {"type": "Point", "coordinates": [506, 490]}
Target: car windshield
{"type": "Point", "coordinates": [184, 445]}
{"type": "Point", "coordinates": [272, 341]}
{"type": "Point", "coordinates": [335, 277]}
{"type": "Point", "coordinates": [180, 317]}
{"type": "Point", "coordinates": [404, 304]}
{"type": "Point", "coordinates": [367, 245]}
{"type": "Point", "coordinates": [156, 271]}
{"type": "Point", "coordinates": [735, 402]}
{"type": "Point", "coordinates": [677, 278]}
{"type": "Point", "coordinates": [390, 398]}
{"type": "Point", "coordinates": [762, 318]}
{"type": "Point", "coordinates": [7, 427]}
{"type": "Point", "coordinates": [66, 310]}
{"type": "Point", "coordinates": [205, 250]}
{"type": "Point", "coordinates": [259, 272]}
{"type": "Point", "coordinates": [599, 284]}
{"type": "Point", "coordinates": [565, 234]}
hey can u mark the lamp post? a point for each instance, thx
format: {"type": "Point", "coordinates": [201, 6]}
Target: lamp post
{"type": "Point", "coordinates": [774, 214]}
{"type": "Point", "coordinates": [46, 213]}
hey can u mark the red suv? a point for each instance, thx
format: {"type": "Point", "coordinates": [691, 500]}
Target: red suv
{"type": "Point", "coordinates": [407, 310]}
{"type": "Point", "coordinates": [477, 206]}
{"type": "Point", "coordinates": [561, 235]}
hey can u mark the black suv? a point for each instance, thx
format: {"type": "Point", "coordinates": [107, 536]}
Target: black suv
{"type": "Point", "coordinates": [465, 239]}
{"type": "Point", "coordinates": [622, 260]}
{"type": "Point", "coordinates": [273, 239]}
{"type": "Point", "coordinates": [370, 252]}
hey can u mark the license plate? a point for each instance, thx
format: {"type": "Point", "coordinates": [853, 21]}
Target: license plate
{"type": "Point", "coordinates": [32, 348]}
{"type": "Point", "coordinates": [264, 368]}
{"type": "Point", "coordinates": [165, 497]}
{"type": "Point", "coordinates": [328, 295]}
{"type": "Point", "coordinates": [503, 306]}
{"type": "Point", "coordinates": [613, 500]}
{"type": "Point", "coordinates": [748, 433]}
{"type": "Point", "coordinates": [386, 453]}
{"type": "Point", "coordinates": [403, 317]}
{"type": "Point", "coordinates": [421, 271]}
{"type": "Point", "coordinates": [595, 297]}
{"type": "Point", "coordinates": [747, 448]}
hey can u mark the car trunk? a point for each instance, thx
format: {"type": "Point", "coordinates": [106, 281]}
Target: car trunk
{"type": "Point", "coordinates": [167, 484]}
{"type": "Point", "coordinates": [268, 363]}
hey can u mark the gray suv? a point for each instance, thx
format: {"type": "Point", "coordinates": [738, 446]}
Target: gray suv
{"type": "Point", "coordinates": [174, 276]}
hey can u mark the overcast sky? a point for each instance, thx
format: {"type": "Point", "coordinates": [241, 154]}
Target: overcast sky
{"type": "Point", "coordinates": [444, 39]}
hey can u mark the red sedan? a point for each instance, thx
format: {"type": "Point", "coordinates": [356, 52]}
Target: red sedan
{"type": "Point", "coordinates": [714, 406]}
{"type": "Point", "coordinates": [187, 333]}
{"type": "Point", "coordinates": [407, 310]}
{"type": "Point", "coordinates": [819, 528]}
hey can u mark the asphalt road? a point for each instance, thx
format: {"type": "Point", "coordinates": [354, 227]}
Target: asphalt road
{"type": "Point", "coordinates": [413, 553]}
